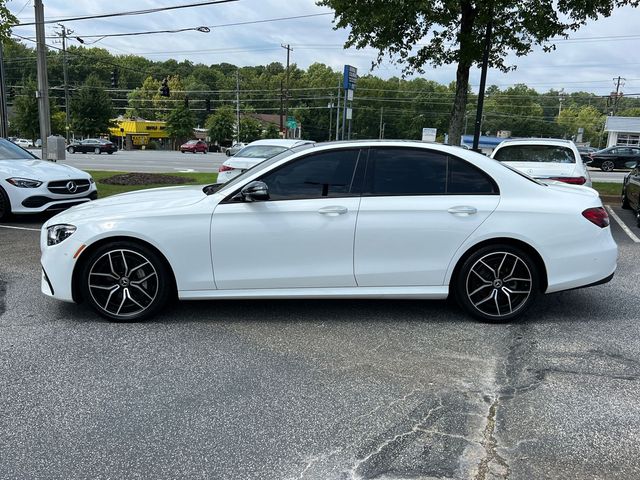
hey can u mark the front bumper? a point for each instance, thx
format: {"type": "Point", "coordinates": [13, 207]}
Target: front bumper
{"type": "Point", "coordinates": [58, 264]}
{"type": "Point", "coordinates": [38, 200]}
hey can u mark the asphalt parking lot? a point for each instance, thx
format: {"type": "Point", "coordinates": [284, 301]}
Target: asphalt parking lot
{"type": "Point", "coordinates": [319, 389]}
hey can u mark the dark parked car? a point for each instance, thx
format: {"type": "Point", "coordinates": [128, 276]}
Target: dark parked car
{"type": "Point", "coordinates": [631, 190]}
{"type": "Point", "coordinates": [614, 157]}
{"type": "Point", "coordinates": [92, 145]}
{"type": "Point", "coordinates": [194, 146]}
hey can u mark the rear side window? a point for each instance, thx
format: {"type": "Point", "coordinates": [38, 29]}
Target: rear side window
{"type": "Point", "coordinates": [410, 171]}
{"type": "Point", "coordinates": [535, 153]}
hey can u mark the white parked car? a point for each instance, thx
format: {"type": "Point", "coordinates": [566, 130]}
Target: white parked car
{"type": "Point", "coordinates": [547, 159]}
{"type": "Point", "coordinates": [253, 154]}
{"type": "Point", "coordinates": [383, 219]}
{"type": "Point", "coordinates": [30, 185]}
{"type": "Point", "coordinates": [23, 142]}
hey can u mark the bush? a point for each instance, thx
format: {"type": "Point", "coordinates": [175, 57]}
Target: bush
{"type": "Point", "coordinates": [153, 145]}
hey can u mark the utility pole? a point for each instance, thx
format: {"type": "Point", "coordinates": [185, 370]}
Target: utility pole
{"type": "Point", "coordinates": [380, 136]}
{"type": "Point", "coordinates": [281, 108]}
{"type": "Point", "coordinates": [4, 124]}
{"type": "Point", "coordinates": [43, 82]}
{"type": "Point", "coordinates": [483, 83]}
{"type": "Point", "coordinates": [238, 106]}
{"type": "Point", "coordinates": [330, 106]}
{"type": "Point", "coordinates": [64, 32]}
{"type": "Point", "coordinates": [618, 94]}
{"type": "Point", "coordinates": [338, 115]}
{"type": "Point", "coordinates": [286, 104]}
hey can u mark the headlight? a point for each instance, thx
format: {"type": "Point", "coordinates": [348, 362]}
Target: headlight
{"type": "Point", "coordinates": [59, 233]}
{"type": "Point", "coordinates": [24, 182]}
{"type": "Point", "coordinates": [91, 180]}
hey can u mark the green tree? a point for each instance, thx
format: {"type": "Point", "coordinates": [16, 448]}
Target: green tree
{"type": "Point", "coordinates": [7, 20]}
{"type": "Point", "coordinates": [140, 100]}
{"type": "Point", "coordinates": [630, 112]}
{"type": "Point", "coordinates": [250, 129]}
{"type": "Point", "coordinates": [221, 124]}
{"type": "Point", "coordinates": [453, 33]}
{"type": "Point", "coordinates": [180, 123]}
{"type": "Point", "coordinates": [90, 109]}
{"type": "Point", "coordinates": [25, 116]}
{"type": "Point", "coordinates": [272, 131]}
{"type": "Point", "coordinates": [587, 117]}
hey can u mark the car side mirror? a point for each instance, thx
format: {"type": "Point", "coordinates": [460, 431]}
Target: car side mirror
{"type": "Point", "coordinates": [631, 164]}
{"type": "Point", "coordinates": [255, 191]}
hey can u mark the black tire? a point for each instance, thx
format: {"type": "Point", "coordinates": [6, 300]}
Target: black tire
{"type": "Point", "coordinates": [624, 202]}
{"type": "Point", "coordinates": [182, 151]}
{"type": "Point", "coordinates": [204, 152]}
{"type": "Point", "coordinates": [110, 153]}
{"type": "Point", "coordinates": [5, 205]}
{"type": "Point", "coordinates": [112, 297]}
{"type": "Point", "coordinates": [71, 150]}
{"type": "Point", "coordinates": [497, 283]}
{"type": "Point", "coordinates": [607, 166]}
{"type": "Point", "coordinates": [97, 151]}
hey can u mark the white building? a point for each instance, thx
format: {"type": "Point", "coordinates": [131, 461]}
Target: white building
{"type": "Point", "coordinates": [623, 131]}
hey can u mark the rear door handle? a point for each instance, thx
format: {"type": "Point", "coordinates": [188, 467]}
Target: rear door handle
{"type": "Point", "coordinates": [333, 210]}
{"type": "Point", "coordinates": [463, 211]}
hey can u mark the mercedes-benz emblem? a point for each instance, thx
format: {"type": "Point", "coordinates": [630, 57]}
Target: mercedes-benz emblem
{"type": "Point", "coordinates": [72, 187]}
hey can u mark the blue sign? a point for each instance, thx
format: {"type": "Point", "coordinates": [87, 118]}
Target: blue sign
{"type": "Point", "coordinates": [350, 77]}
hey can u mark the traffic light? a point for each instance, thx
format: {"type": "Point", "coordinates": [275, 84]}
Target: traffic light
{"type": "Point", "coordinates": [164, 89]}
{"type": "Point", "coordinates": [114, 78]}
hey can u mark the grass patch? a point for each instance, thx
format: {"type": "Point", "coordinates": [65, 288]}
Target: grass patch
{"type": "Point", "coordinates": [606, 188]}
{"type": "Point", "coordinates": [106, 190]}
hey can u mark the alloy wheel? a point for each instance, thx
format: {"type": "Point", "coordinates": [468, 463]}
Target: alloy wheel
{"type": "Point", "coordinates": [607, 166]}
{"type": "Point", "coordinates": [499, 284]}
{"type": "Point", "coordinates": [96, 151]}
{"type": "Point", "coordinates": [123, 283]}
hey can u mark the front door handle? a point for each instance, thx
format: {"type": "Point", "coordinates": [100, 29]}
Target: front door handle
{"type": "Point", "coordinates": [463, 211]}
{"type": "Point", "coordinates": [333, 210]}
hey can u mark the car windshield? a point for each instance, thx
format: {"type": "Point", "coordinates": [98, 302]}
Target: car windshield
{"type": "Point", "coordinates": [535, 153]}
{"type": "Point", "coordinates": [11, 151]}
{"type": "Point", "coordinates": [209, 189]}
{"type": "Point", "coordinates": [260, 151]}
{"type": "Point", "coordinates": [191, 142]}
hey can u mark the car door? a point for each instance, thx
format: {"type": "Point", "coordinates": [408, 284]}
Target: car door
{"type": "Point", "coordinates": [418, 206]}
{"type": "Point", "coordinates": [633, 187]}
{"type": "Point", "coordinates": [301, 237]}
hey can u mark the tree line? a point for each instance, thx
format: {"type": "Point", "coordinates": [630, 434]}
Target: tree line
{"type": "Point", "coordinates": [205, 96]}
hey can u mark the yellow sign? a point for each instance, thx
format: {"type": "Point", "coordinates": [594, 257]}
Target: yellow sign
{"type": "Point", "coordinates": [153, 129]}
{"type": "Point", "coordinates": [140, 139]}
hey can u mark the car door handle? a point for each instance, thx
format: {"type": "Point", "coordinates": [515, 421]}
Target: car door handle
{"type": "Point", "coordinates": [463, 210]}
{"type": "Point", "coordinates": [333, 210]}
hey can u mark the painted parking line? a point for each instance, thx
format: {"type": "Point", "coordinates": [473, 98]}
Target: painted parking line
{"type": "Point", "coordinates": [20, 228]}
{"type": "Point", "coordinates": [623, 225]}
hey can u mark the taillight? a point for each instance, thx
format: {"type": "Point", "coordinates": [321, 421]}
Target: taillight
{"type": "Point", "coordinates": [571, 180]}
{"type": "Point", "coordinates": [597, 216]}
{"type": "Point", "coordinates": [225, 168]}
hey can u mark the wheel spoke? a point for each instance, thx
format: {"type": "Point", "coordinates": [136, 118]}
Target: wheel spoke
{"type": "Point", "coordinates": [495, 275]}
{"type": "Point", "coordinates": [124, 298]}
{"type": "Point", "coordinates": [484, 280]}
{"type": "Point", "coordinates": [138, 282]}
{"type": "Point", "coordinates": [143, 291]}
{"type": "Point", "coordinates": [486, 285]}
{"type": "Point", "coordinates": [495, 297]}
{"type": "Point", "coordinates": [108, 275]}
{"type": "Point", "coordinates": [506, 293]}
{"type": "Point", "coordinates": [138, 267]}
{"type": "Point", "coordinates": [124, 261]}
{"type": "Point", "coordinates": [128, 294]}
{"type": "Point", "coordinates": [484, 300]}
{"type": "Point", "coordinates": [114, 290]}
{"type": "Point", "coordinates": [111, 265]}
{"type": "Point", "coordinates": [501, 263]}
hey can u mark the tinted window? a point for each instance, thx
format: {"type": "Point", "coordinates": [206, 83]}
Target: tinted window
{"type": "Point", "coordinates": [404, 171]}
{"type": "Point", "coordinates": [11, 151]}
{"type": "Point", "coordinates": [535, 153]}
{"type": "Point", "coordinates": [465, 178]}
{"type": "Point", "coordinates": [325, 174]}
{"type": "Point", "coordinates": [260, 151]}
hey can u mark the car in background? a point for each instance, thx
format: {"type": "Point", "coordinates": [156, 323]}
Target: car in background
{"type": "Point", "coordinates": [92, 145]}
{"type": "Point", "coordinates": [631, 190]}
{"type": "Point", "coordinates": [547, 159]}
{"type": "Point", "coordinates": [31, 185]}
{"type": "Point", "coordinates": [194, 146]}
{"type": "Point", "coordinates": [23, 142]}
{"type": "Point", "coordinates": [253, 154]}
{"type": "Point", "coordinates": [611, 158]}
{"type": "Point", "coordinates": [363, 219]}
{"type": "Point", "coordinates": [235, 148]}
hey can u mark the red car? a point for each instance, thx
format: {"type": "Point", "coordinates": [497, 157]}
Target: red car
{"type": "Point", "coordinates": [194, 146]}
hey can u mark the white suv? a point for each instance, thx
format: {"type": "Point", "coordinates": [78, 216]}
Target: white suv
{"type": "Point", "coordinates": [545, 159]}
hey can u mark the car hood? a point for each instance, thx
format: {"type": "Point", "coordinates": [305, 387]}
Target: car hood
{"type": "Point", "coordinates": [243, 162]}
{"type": "Point", "coordinates": [542, 170]}
{"type": "Point", "coordinates": [133, 203]}
{"type": "Point", "coordinates": [40, 170]}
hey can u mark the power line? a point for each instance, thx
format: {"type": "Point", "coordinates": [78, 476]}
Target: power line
{"type": "Point", "coordinates": [133, 12]}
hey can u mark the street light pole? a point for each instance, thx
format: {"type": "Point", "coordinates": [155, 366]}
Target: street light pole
{"type": "Point", "coordinates": [43, 82]}
{"type": "Point", "coordinates": [4, 124]}
{"type": "Point", "coordinates": [64, 34]}
{"type": "Point", "coordinates": [483, 83]}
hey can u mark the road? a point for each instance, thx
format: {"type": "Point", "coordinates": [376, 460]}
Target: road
{"type": "Point", "coordinates": [158, 161]}
{"type": "Point", "coordinates": [318, 389]}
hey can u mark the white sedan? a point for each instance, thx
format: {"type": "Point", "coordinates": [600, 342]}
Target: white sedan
{"type": "Point", "coordinates": [30, 185]}
{"type": "Point", "coordinates": [374, 219]}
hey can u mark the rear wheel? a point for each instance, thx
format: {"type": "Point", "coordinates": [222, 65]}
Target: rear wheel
{"type": "Point", "coordinates": [497, 283]}
{"type": "Point", "coordinates": [5, 205]}
{"type": "Point", "coordinates": [125, 281]}
{"type": "Point", "coordinates": [607, 166]}
{"type": "Point", "coordinates": [96, 151]}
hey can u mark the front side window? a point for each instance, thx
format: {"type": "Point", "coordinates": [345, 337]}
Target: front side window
{"type": "Point", "coordinates": [321, 175]}
{"type": "Point", "coordinates": [535, 153]}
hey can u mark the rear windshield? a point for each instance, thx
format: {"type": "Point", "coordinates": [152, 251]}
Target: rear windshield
{"type": "Point", "coordinates": [11, 151]}
{"type": "Point", "coordinates": [535, 153]}
{"type": "Point", "coordinates": [260, 151]}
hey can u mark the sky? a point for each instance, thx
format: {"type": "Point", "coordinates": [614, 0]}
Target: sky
{"type": "Point", "coordinates": [586, 62]}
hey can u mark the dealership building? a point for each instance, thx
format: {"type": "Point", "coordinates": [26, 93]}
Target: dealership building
{"type": "Point", "coordinates": [623, 131]}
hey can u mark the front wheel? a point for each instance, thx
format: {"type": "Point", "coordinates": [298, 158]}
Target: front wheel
{"type": "Point", "coordinates": [497, 283]}
{"type": "Point", "coordinates": [96, 151]}
{"type": "Point", "coordinates": [125, 281]}
{"type": "Point", "coordinates": [5, 205]}
{"type": "Point", "coordinates": [71, 150]}
{"type": "Point", "coordinates": [110, 153]}
{"type": "Point", "coordinates": [607, 166]}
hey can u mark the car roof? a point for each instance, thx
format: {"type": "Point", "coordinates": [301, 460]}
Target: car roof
{"type": "Point", "coordinates": [279, 142]}
{"type": "Point", "coordinates": [533, 140]}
